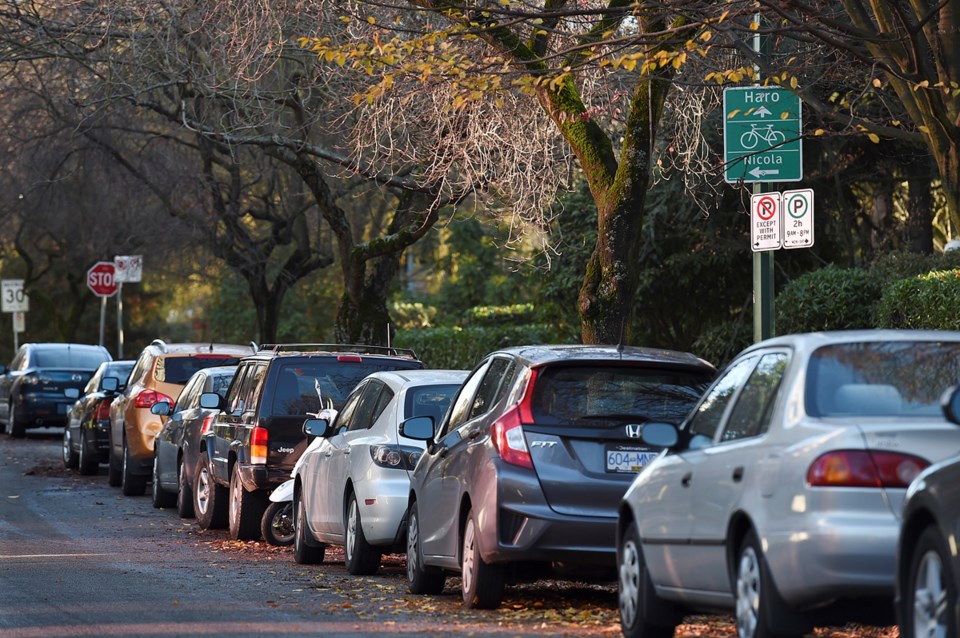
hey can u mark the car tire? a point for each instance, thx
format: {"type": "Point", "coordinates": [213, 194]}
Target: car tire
{"type": "Point", "coordinates": [18, 429]}
{"type": "Point", "coordinates": [759, 611]}
{"type": "Point", "coordinates": [70, 460]}
{"type": "Point", "coordinates": [306, 549]}
{"type": "Point", "coordinates": [246, 509]}
{"type": "Point", "coordinates": [209, 498]}
{"type": "Point", "coordinates": [114, 472]}
{"type": "Point", "coordinates": [481, 583]}
{"type": "Point", "coordinates": [277, 523]}
{"type": "Point", "coordinates": [360, 557]}
{"type": "Point", "coordinates": [87, 463]}
{"type": "Point", "coordinates": [131, 484]}
{"type": "Point", "coordinates": [184, 493]}
{"type": "Point", "coordinates": [160, 497]}
{"type": "Point", "coordinates": [642, 613]}
{"type": "Point", "coordinates": [421, 579]}
{"type": "Point", "coordinates": [930, 595]}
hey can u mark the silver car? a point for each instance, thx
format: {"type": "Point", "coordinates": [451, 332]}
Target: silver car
{"type": "Point", "coordinates": [780, 496]}
{"type": "Point", "coordinates": [351, 484]}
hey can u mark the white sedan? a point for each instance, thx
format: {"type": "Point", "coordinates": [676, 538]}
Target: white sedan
{"type": "Point", "coordinates": [351, 484]}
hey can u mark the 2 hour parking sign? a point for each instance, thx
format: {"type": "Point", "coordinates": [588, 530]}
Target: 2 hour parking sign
{"type": "Point", "coordinates": [798, 218]}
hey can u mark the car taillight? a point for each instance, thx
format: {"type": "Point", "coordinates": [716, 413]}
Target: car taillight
{"type": "Point", "coordinates": [400, 457]}
{"type": "Point", "coordinates": [350, 358]}
{"type": "Point", "coordinates": [207, 424]}
{"type": "Point", "coordinates": [258, 445]}
{"type": "Point", "coordinates": [103, 410]}
{"type": "Point", "coordinates": [861, 468]}
{"type": "Point", "coordinates": [147, 398]}
{"type": "Point", "coordinates": [507, 434]}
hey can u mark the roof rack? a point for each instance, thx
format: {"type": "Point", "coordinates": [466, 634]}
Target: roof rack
{"type": "Point", "coordinates": [352, 348]}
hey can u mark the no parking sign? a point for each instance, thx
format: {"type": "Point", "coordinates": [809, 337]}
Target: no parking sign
{"type": "Point", "coordinates": [765, 217]}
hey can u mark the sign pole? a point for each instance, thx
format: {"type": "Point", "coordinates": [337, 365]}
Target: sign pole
{"type": "Point", "coordinates": [119, 320]}
{"type": "Point", "coordinates": [103, 316]}
{"type": "Point", "coordinates": [16, 344]}
{"type": "Point", "coordinates": [763, 288]}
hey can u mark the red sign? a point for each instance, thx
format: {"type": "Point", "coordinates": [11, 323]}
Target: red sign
{"type": "Point", "coordinates": [101, 279]}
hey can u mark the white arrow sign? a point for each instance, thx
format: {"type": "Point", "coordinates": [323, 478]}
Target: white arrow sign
{"type": "Point", "coordinates": [763, 112]}
{"type": "Point", "coordinates": [762, 172]}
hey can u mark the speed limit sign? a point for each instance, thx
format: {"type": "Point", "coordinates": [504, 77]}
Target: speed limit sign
{"type": "Point", "coordinates": [12, 296]}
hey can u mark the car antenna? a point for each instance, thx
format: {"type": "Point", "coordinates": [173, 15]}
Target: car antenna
{"type": "Point", "coordinates": [623, 332]}
{"type": "Point", "coordinates": [211, 346]}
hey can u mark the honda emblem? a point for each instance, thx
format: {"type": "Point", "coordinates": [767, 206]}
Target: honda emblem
{"type": "Point", "coordinates": [634, 430]}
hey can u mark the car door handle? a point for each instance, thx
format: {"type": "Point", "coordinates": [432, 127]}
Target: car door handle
{"type": "Point", "coordinates": [473, 434]}
{"type": "Point", "coordinates": [328, 453]}
{"type": "Point", "coordinates": [346, 450]}
{"type": "Point", "coordinates": [737, 474]}
{"type": "Point", "coordinates": [687, 478]}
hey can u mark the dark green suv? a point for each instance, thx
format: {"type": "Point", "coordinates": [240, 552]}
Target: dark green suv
{"type": "Point", "coordinates": [254, 442]}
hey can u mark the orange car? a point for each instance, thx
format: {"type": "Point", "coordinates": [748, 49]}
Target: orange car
{"type": "Point", "coordinates": [160, 373]}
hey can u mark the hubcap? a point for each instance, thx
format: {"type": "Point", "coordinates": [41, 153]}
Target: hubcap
{"type": "Point", "coordinates": [351, 530]}
{"type": "Point", "coordinates": [930, 598]}
{"type": "Point", "coordinates": [629, 583]}
{"type": "Point", "coordinates": [748, 593]}
{"type": "Point", "coordinates": [469, 558]}
{"type": "Point", "coordinates": [234, 497]}
{"type": "Point", "coordinates": [413, 537]}
{"type": "Point", "coordinates": [203, 491]}
{"type": "Point", "coordinates": [156, 479]}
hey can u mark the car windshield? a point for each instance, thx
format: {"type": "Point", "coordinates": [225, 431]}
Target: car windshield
{"type": "Point", "coordinates": [69, 358]}
{"type": "Point", "coordinates": [180, 369]}
{"type": "Point", "coordinates": [598, 395]}
{"type": "Point", "coordinates": [307, 386]}
{"type": "Point", "coordinates": [893, 378]}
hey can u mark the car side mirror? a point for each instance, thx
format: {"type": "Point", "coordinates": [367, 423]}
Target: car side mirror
{"type": "Point", "coordinates": [660, 434]}
{"type": "Point", "coordinates": [418, 428]}
{"type": "Point", "coordinates": [950, 402]}
{"type": "Point", "coordinates": [160, 408]}
{"type": "Point", "coordinates": [109, 384]}
{"type": "Point", "coordinates": [316, 427]}
{"type": "Point", "coordinates": [211, 401]}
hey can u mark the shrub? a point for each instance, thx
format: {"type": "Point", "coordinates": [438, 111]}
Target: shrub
{"type": "Point", "coordinates": [829, 299]}
{"type": "Point", "coordinates": [412, 315]}
{"type": "Point", "coordinates": [926, 302]}
{"type": "Point", "coordinates": [461, 348]}
{"type": "Point", "coordinates": [516, 314]}
{"type": "Point", "coordinates": [720, 342]}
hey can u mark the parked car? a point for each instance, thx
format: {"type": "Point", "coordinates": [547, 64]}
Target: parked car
{"type": "Point", "coordinates": [529, 465]}
{"type": "Point", "coordinates": [353, 485]}
{"type": "Point", "coordinates": [33, 389]}
{"type": "Point", "coordinates": [779, 497]}
{"type": "Point", "coordinates": [927, 561]}
{"type": "Point", "coordinates": [86, 439]}
{"type": "Point", "coordinates": [258, 434]}
{"type": "Point", "coordinates": [177, 446]}
{"type": "Point", "coordinates": [161, 371]}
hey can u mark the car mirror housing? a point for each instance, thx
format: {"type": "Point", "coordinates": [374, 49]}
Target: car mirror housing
{"type": "Point", "coordinates": [418, 428]}
{"type": "Point", "coordinates": [316, 427]}
{"type": "Point", "coordinates": [109, 384]}
{"type": "Point", "coordinates": [951, 404]}
{"type": "Point", "coordinates": [160, 408]}
{"type": "Point", "coordinates": [210, 401]}
{"type": "Point", "coordinates": [660, 434]}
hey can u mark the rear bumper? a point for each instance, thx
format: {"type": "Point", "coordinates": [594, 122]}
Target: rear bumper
{"type": "Point", "coordinates": [261, 477]}
{"type": "Point", "coordinates": [39, 410]}
{"type": "Point", "coordinates": [383, 508]}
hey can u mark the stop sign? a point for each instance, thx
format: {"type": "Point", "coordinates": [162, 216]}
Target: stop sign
{"type": "Point", "coordinates": [101, 280]}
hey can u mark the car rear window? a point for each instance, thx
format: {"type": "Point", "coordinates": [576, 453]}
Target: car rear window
{"type": "Point", "coordinates": [891, 378]}
{"type": "Point", "coordinates": [307, 386]}
{"type": "Point", "coordinates": [69, 358]}
{"type": "Point", "coordinates": [429, 400]}
{"type": "Point", "coordinates": [172, 369]}
{"type": "Point", "coordinates": [598, 395]}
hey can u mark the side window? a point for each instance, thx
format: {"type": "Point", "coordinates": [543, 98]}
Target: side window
{"type": "Point", "coordinates": [254, 386]}
{"type": "Point", "coordinates": [238, 389]}
{"type": "Point", "coordinates": [17, 362]}
{"type": "Point", "coordinates": [140, 369]}
{"type": "Point", "coordinates": [751, 414]}
{"type": "Point", "coordinates": [706, 418]}
{"type": "Point", "coordinates": [492, 388]}
{"type": "Point", "coordinates": [189, 394]}
{"type": "Point", "coordinates": [94, 382]}
{"type": "Point", "coordinates": [464, 401]}
{"type": "Point", "coordinates": [345, 418]}
{"type": "Point", "coordinates": [363, 416]}
{"type": "Point", "coordinates": [386, 396]}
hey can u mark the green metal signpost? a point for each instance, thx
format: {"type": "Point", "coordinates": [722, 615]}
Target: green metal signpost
{"type": "Point", "coordinates": [761, 135]}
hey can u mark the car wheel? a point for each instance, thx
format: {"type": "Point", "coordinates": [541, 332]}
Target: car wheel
{"type": "Point", "coordinates": [930, 597]}
{"type": "Point", "coordinates": [131, 484]}
{"type": "Point", "coordinates": [184, 493]}
{"type": "Point", "coordinates": [161, 498]}
{"type": "Point", "coordinates": [421, 579]}
{"type": "Point", "coordinates": [277, 523]}
{"type": "Point", "coordinates": [69, 456]}
{"type": "Point", "coordinates": [209, 498]}
{"type": "Point", "coordinates": [482, 584]}
{"type": "Point", "coordinates": [246, 509]}
{"type": "Point", "coordinates": [18, 429]}
{"type": "Point", "coordinates": [306, 549]}
{"type": "Point", "coordinates": [361, 558]}
{"type": "Point", "coordinates": [759, 610]}
{"type": "Point", "coordinates": [642, 612]}
{"type": "Point", "coordinates": [87, 463]}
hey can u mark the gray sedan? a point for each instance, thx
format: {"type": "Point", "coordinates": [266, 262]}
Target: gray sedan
{"type": "Point", "coordinates": [780, 496]}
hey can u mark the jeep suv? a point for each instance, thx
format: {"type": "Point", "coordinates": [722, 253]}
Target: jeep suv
{"type": "Point", "coordinates": [159, 374]}
{"type": "Point", "coordinates": [258, 434]}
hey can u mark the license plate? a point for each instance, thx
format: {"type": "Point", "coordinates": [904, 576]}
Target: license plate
{"type": "Point", "coordinates": [628, 459]}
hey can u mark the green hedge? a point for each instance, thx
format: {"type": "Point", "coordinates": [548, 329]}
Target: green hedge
{"type": "Point", "coordinates": [462, 348]}
{"type": "Point", "coordinates": [517, 314]}
{"type": "Point", "coordinates": [829, 299]}
{"type": "Point", "coordinates": [928, 302]}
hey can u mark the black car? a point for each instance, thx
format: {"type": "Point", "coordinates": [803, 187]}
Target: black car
{"type": "Point", "coordinates": [177, 447]}
{"type": "Point", "coordinates": [928, 565]}
{"type": "Point", "coordinates": [86, 439]}
{"type": "Point", "coordinates": [258, 434]}
{"type": "Point", "coordinates": [33, 389]}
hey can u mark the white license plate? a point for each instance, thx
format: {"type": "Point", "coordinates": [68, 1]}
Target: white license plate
{"type": "Point", "coordinates": [625, 459]}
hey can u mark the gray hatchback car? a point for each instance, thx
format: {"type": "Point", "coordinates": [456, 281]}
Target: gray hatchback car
{"type": "Point", "coordinates": [528, 466]}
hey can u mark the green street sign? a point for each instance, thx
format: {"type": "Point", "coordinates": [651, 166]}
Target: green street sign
{"type": "Point", "coordinates": [762, 135]}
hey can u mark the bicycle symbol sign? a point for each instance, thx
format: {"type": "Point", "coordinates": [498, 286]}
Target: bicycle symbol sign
{"type": "Point", "coordinates": [762, 139]}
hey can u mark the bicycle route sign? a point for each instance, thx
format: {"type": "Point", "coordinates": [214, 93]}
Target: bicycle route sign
{"type": "Point", "coordinates": [762, 139]}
